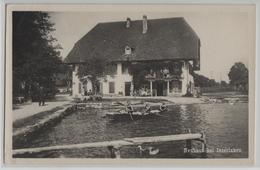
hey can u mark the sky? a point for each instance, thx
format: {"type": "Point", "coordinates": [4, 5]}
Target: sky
{"type": "Point", "coordinates": [223, 35]}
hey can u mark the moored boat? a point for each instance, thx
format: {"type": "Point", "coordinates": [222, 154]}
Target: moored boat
{"type": "Point", "coordinates": [124, 115]}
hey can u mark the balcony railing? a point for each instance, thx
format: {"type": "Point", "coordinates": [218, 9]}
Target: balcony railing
{"type": "Point", "coordinates": [162, 76]}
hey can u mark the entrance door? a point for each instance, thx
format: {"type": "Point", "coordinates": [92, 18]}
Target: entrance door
{"type": "Point", "coordinates": [160, 88]}
{"type": "Point", "coordinates": [127, 88]}
{"type": "Point", "coordinates": [99, 88]}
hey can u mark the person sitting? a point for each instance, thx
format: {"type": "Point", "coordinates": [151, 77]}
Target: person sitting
{"type": "Point", "coordinates": [147, 108]}
{"type": "Point", "coordinates": [89, 92]}
{"type": "Point", "coordinates": [129, 107]}
{"type": "Point", "coordinates": [163, 107]}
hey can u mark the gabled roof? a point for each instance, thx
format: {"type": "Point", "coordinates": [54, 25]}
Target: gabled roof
{"type": "Point", "coordinates": [166, 39]}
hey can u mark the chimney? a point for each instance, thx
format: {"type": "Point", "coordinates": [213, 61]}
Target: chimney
{"type": "Point", "coordinates": [128, 22]}
{"type": "Point", "coordinates": [145, 27]}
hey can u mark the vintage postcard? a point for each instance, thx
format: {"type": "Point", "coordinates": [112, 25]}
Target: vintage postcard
{"type": "Point", "coordinates": [130, 85]}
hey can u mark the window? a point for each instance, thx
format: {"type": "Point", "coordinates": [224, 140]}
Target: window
{"type": "Point", "coordinates": [111, 69]}
{"type": "Point", "coordinates": [125, 68]}
{"type": "Point", "coordinates": [111, 87]}
{"type": "Point", "coordinates": [176, 68]}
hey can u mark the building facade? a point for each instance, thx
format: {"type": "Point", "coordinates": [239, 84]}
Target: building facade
{"type": "Point", "coordinates": [167, 49]}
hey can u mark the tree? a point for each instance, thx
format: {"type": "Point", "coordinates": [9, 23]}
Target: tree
{"type": "Point", "coordinates": [64, 75]}
{"type": "Point", "coordinates": [36, 55]}
{"type": "Point", "coordinates": [238, 76]}
{"type": "Point", "coordinates": [139, 71]}
{"type": "Point", "coordinates": [223, 83]}
{"type": "Point", "coordinates": [202, 81]}
{"type": "Point", "coordinates": [95, 67]}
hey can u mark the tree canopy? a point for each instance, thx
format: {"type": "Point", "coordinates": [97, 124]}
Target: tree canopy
{"type": "Point", "coordinates": [203, 81]}
{"type": "Point", "coordinates": [36, 55]}
{"type": "Point", "coordinates": [238, 76]}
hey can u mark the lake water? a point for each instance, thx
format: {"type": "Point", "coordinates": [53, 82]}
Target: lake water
{"type": "Point", "coordinates": [225, 126]}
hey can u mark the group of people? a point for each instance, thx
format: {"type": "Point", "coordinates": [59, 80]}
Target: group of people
{"type": "Point", "coordinates": [147, 107]}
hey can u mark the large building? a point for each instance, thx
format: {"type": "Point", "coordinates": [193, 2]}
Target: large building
{"type": "Point", "coordinates": [169, 45]}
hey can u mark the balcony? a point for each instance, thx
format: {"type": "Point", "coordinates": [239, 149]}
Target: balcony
{"type": "Point", "coordinates": [165, 76]}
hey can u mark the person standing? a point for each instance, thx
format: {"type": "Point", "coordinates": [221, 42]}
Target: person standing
{"type": "Point", "coordinates": [129, 109]}
{"type": "Point", "coordinates": [41, 96]}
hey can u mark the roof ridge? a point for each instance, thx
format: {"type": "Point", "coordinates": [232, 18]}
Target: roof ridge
{"type": "Point", "coordinates": [110, 22]}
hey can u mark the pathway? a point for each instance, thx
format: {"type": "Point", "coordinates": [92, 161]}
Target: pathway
{"type": "Point", "coordinates": [30, 109]}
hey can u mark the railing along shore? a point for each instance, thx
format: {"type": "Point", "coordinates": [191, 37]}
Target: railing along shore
{"type": "Point", "coordinates": [114, 146]}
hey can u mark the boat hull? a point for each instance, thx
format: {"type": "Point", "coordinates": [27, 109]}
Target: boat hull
{"type": "Point", "coordinates": [133, 116]}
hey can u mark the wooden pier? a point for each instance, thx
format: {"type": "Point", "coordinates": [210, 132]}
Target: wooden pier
{"type": "Point", "coordinates": [114, 146]}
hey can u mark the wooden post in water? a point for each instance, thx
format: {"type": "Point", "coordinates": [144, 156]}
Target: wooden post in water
{"type": "Point", "coordinates": [204, 143]}
{"type": "Point", "coordinates": [151, 88]}
{"type": "Point", "coordinates": [188, 142]}
{"type": "Point", "coordinates": [114, 151]}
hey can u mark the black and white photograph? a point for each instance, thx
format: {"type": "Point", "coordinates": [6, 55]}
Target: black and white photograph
{"type": "Point", "coordinates": [131, 82]}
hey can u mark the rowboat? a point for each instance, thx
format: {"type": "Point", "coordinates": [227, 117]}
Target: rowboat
{"type": "Point", "coordinates": [124, 115]}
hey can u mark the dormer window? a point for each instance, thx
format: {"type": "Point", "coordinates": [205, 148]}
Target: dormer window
{"type": "Point", "coordinates": [128, 50]}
